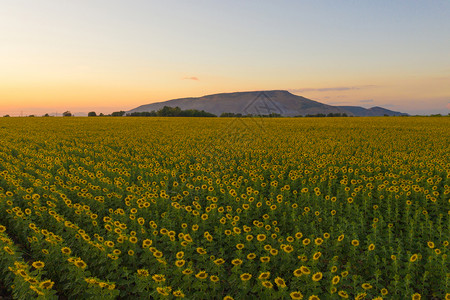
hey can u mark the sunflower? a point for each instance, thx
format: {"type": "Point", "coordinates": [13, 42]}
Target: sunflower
{"type": "Point", "coordinates": [306, 242]}
{"type": "Point", "coordinates": [240, 246]}
{"type": "Point", "coordinates": [159, 278]}
{"type": "Point", "coordinates": [31, 280]}
{"type": "Point", "coordinates": [264, 275]}
{"type": "Point", "coordinates": [416, 296]}
{"type": "Point", "coordinates": [228, 298]}
{"type": "Point", "coordinates": [335, 279]}
{"type": "Point", "coordinates": [296, 295]}
{"type": "Point", "coordinates": [340, 238]}
{"type": "Point", "coordinates": [146, 243]}
{"type": "Point", "coordinates": [313, 297]}
{"type": "Point", "coordinates": [267, 284]}
{"type": "Point", "coordinates": [317, 255]}
{"type": "Point", "coordinates": [280, 282]}
{"type": "Point", "coordinates": [32, 287]}
{"type": "Point", "coordinates": [288, 249]}
{"type": "Point", "coordinates": [143, 272]}
{"type": "Point", "coordinates": [180, 263]}
{"type": "Point", "coordinates": [246, 276]}
{"type": "Point", "coordinates": [384, 291]}
{"type": "Point", "coordinates": [305, 270]}
{"type": "Point", "coordinates": [66, 250]}
{"type": "Point", "coordinates": [219, 261]}
{"type": "Point", "coordinates": [371, 247]}
{"type": "Point", "coordinates": [318, 241]}
{"type": "Point", "coordinates": [201, 251]}
{"type": "Point", "coordinates": [297, 273]}
{"type": "Point", "coordinates": [366, 286]}
{"type": "Point", "coordinates": [251, 256]}
{"type": "Point", "coordinates": [343, 294]}
{"type": "Point", "coordinates": [178, 294]}
{"type": "Point", "coordinates": [236, 262]}
{"type": "Point", "coordinates": [187, 271]}
{"type": "Point", "coordinates": [317, 276]}
{"type": "Point", "coordinates": [180, 255]}
{"type": "Point", "coordinates": [413, 258]}
{"type": "Point", "coordinates": [163, 291]}
{"type": "Point", "coordinates": [80, 264]}
{"type": "Point", "coordinates": [360, 296]}
{"type": "Point", "coordinates": [355, 243]}
{"type": "Point", "coordinates": [274, 252]}
{"type": "Point", "coordinates": [38, 264]}
{"type": "Point", "coordinates": [201, 275]}
{"type": "Point", "coordinates": [261, 237]}
{"type": "Point", "coordinates": [214, 278]}
{"type": "Point", "coordinates": [264, 259]}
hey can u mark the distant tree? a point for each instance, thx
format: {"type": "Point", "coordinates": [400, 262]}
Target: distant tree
{"type": "Point", "coordinates": [385, 115]}
{"type": "Point", "coordinates": [101, 115]}
{"type": "Point", "coordinates": [143, 114]}
{"type": "Point", "coordinates": [168, 111]}
{"type": "Point", "coordinates": [118, 113]}
{"type": "Point", "coordinates": [6, 116]}
{"type": "Point", "coordinates": [31, 116]}
{"type": "Point", "coordinates": [227, 115]}
{"type": "Point", "coordinates": [46, 115]}
{"type": "Point", "coordinates": [92, 114]}
{"type": "Point", "coordinates": [67, 114]}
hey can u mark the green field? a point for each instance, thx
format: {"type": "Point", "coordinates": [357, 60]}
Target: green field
{"type": "Point", "coordinates": [303, 208]}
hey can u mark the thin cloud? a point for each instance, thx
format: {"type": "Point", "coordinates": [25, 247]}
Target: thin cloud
{"type": "Point", "coordinates": [191, 78]}
{"type": "Point", "coordinates": [334, 89]}
{"type": "Point", "coordinates": [339, 103]}
{"type": "Point", "coordinates": [366, 101]}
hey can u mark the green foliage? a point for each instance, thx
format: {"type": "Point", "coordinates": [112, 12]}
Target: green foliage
{"type": "Point", "coordinates": [153, 208]}
{"type": "Point", "coordinates": [167, 111]}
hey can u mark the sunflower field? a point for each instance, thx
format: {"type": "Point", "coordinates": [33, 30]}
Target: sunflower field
{"type": "Point", "coordinates": [225, 208]}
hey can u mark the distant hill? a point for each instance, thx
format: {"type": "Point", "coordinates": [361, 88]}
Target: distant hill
{"type": "Point", "coordinates": [260, 103]}
{"type": "Point", "coordinates": [371, 112]}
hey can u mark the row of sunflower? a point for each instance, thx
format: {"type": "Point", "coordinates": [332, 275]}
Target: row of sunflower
{"type": "Point", "coordinates": [231, 208]}
{"type": "Point", "coordinates": [24, 281]}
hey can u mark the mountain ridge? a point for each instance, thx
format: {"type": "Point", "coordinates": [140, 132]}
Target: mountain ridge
{"type": "Point", "coordinates": [262, 103]}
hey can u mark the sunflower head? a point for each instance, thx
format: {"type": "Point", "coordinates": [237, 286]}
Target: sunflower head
{"type": "Point", "coordinates": [38, 264]}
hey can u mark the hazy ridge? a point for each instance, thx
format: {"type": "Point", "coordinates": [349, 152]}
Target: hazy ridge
{"type": "Point", "coordinates": [263, 103]}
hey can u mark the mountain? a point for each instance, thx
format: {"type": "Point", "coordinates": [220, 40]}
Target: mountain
{"type": "Point", "coordinates": [259, 103]}
{"type": "Point", "coordinates": [370, 112]}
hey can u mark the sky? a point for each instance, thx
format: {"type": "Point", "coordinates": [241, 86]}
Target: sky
{"type": "Point", "coordinates": [105, 56]}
